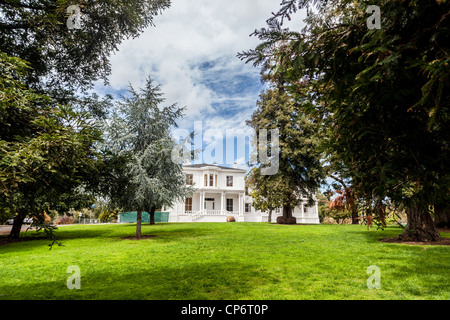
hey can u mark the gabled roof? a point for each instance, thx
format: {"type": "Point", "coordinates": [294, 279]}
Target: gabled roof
{"type": "Point", "coordinates": [204, 165]}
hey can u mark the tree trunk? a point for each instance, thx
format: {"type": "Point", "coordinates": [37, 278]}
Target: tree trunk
{"type": "Point", "coordinates": [420, 226]}
{"type": "Point", "coordinates": [151, 212]}
{"type": "Point", "coordinates": [138, 224]}
{"type": "Point", "coordinates": [17, 225]}
{"type": "Point", "coordinates": [355, 218]}
{"type": "Point", "coordinates": [442, 216]}
{"type": "Point", "coordinates": [269, 218]}
{"type": "Point", "coordinates": [287, 212]}
{"type": "Point", "coordinates": [287, 217]}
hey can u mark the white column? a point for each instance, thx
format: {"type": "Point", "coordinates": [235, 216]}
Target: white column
{"type": "Point", "coordinates": [303, 212]}
{"type": "Point", "coordinates": [222, 202]}
{"type": "Point", "coordinates": [202, 201]}
{"type": "Point", "coordinates": [240, 206]}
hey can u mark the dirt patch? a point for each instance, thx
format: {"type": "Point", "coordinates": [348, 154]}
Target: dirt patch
{"type": "Point", "coordinates": [440, 242]}
{"type": "Point", "coordinates": [141, 238]}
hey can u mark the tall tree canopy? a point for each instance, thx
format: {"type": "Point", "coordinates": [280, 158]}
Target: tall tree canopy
{"type": "Point", "coordinates": [382, 93]}
{"type": "Point", "coordinates": [37, 31]}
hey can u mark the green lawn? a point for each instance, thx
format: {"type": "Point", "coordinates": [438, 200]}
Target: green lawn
{"type": "Point", "coordinates": [224, 261]}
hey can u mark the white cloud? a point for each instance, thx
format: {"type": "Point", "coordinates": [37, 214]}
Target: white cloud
{"type": "Point", "coordinates": [187, 35]}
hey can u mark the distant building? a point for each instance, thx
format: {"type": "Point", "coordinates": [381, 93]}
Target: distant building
{"type": "Point", "coordinates": [220, 192]}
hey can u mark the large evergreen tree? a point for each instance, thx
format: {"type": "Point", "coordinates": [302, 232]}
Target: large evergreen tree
{"type": "Point", "coordinates": [382, 93]}
{"type": "Point", "coordinates": [299, 169]}
{"type": "Point", "coordinates": [143, 176]}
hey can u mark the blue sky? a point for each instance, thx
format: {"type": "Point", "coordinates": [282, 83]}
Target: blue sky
{"type": "Point", "coordinates": [191, 53]}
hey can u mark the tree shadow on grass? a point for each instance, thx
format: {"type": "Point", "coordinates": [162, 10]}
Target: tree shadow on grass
{"type": "Point", "coordinates": [375, 235]}
{"type": "Point", "coordinates": [30, 240]}
{"type": "Point", "coordinates": [188, 281]}
{"type": "Point", "coordinates": [390, 235]}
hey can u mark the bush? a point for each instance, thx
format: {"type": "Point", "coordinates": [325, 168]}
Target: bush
{"type": "Point", "coordinates": [283, 220]}
{"type": "Point", "coordinates": [104, 216]}
{"type": "Point", "coordinates": [64, 220]}
{"type": "Point", "coordinates": [231, 219]}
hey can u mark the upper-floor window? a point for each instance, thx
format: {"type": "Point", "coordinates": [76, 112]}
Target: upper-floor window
{"type": "Point", "coordinates": [210, 180]}
{"type": "Point", "coordinates": [229, 181]}
{"type": "Point", "coordinates": [189, 179]}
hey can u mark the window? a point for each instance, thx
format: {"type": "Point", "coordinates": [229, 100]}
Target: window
{"type": "Point", "coordinates": [189, 179]}
{"type": "Point", "coordinates": [216, 181]}
{"type": "Point", "coordinates": [305, 208]}
{"type": "Point", "coordinates": [248, 207]}
{"type": "Point", "coordinates": [229, 204]}
{"type": "Point", "coordinates": [206, 180]}
{"type": "Point", "coordinates": [229, 181]}
{"type": "Point", "coordinates": [188, 204]}
{"type": "Point", "coordinates": [211, 180]}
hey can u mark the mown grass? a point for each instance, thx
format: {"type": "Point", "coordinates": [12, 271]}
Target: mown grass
{"type": "Point", "coordinates": [218, 261]}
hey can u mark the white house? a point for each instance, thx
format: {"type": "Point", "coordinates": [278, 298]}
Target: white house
{"type": "Point", "coordinates": [220, 192]}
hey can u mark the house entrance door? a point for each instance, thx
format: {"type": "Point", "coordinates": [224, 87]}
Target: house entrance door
{"type": "Point", "coordinates": [209, 203]}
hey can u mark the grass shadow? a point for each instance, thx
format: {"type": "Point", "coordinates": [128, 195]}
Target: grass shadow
{"type": "Point", "coordinates": [194, 281]}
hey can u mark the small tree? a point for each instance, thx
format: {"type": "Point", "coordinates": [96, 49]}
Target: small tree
{"type": "Point", "coordinates": [139, 173]}
{"type": "Point", "coordinates": [266, 191]}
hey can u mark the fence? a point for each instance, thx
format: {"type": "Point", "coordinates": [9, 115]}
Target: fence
{"type": "Point", "coordinates": [131, 217]}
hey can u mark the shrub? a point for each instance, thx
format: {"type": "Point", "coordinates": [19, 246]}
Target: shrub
{"type": "Point", "coordinates": [231, 219]}
{"type": "Point", "coordinates": [64, 220]}
{"type": "Point", "coordinates": [104, 216]}
{"type": "Point", "coordinates": [283, 220]}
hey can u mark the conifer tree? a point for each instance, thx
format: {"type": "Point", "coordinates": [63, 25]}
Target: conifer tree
{"type": "Point", "coordinates": [139, 141]}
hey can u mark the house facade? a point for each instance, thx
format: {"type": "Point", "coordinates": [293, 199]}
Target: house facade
{"type": "Point", "coordinates": [220, 192]}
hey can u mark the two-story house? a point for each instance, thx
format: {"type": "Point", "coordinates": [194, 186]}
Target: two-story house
{"type": "Point", "coordinates": [220, 192]}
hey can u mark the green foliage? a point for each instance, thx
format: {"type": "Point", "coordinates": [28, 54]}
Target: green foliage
{"type": "Point", "coordinates": [139, 173]}
{"type": "Point", "coordinates": [267, 191]}
{"type": "Point", "coordinates": [381, 95]}
{"type": "Point", "coordinates": [300, 170]}
{"type": "Point", "coordinates": [5, 214]}
{"type": "Point", "coordinates": [104, 216]}
{"type": "Point", "coordinates": [37, 32]}
{"type": "Point", "coordinates": [48, 229]}
{"type": "Point", "coordinates": [46, 149]}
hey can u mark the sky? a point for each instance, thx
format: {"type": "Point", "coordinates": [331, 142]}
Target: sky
{"type": "Point", "coordinates": [191, 53]}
